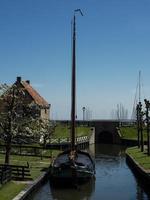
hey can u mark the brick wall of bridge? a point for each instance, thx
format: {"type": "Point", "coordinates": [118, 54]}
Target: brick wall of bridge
{"type": "Point", "coordinates": [106, 131]}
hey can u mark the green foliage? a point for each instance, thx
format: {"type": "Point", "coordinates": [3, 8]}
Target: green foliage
{"type": "Point", "coordinates": [63, 131]}
{"type": "Point", "coordinates": [131, 133]}
{"type": "Point", "coordinates": [140, 157]}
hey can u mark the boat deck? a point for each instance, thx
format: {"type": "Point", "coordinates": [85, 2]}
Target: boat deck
{"type": "Point", "coordinates": [82, 159]}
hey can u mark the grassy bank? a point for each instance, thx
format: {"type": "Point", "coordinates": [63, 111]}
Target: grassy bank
{"type": "Point", "coordinates": [130, 133]}
{"type": "Point", "coordinates": [140, 157]}
{"type": "Point", "coordinates": [63, 131]}
{"type": "Point", "coordinates": [10, 190]}
{"type": "Point", "coordinates": [37, 165]}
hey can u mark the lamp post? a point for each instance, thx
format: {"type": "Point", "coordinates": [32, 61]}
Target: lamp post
{"type": "Point", "coordinates": [83, 113]}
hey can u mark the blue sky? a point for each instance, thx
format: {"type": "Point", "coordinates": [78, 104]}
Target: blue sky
{"type": "Point", "coordinates": [113, 44]}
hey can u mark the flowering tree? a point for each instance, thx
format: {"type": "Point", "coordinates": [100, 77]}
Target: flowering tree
{"type": "Point", "coordinates": [15, 114]}
{"type": "Point", "coordinates": [45, 128]}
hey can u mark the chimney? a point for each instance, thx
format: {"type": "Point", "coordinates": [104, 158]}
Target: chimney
{"type": "Point", "coordinates": [18, 79]}
{"type": "Point", "coordinates": [28, 81]}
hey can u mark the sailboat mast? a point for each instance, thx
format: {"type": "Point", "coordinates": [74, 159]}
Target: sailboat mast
{"type": "Point", "coordinates": [73, 89]}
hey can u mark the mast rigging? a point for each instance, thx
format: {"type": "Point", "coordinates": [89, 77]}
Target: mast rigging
{"type": "Point", "coordinates": [73, 87]}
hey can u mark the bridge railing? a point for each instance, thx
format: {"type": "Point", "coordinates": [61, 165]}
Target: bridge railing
{"type": "Point", "coordinates": [80, 139]}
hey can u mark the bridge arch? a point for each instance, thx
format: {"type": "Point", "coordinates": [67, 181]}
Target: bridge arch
{"type": "Point", "coordinates": [105, 137]}
{"type": "Point", "coordinates": [106, 131]}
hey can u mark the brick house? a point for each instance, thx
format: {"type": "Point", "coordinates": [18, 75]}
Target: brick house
{"type": "Point", "coordinates": [32, 95]}
{"type": "Point", "coordinates": [29, 96]}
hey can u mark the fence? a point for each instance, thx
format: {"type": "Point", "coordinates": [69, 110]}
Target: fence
{"type": "Point", "coordinates": [64, 143]}
{"type": "Point", "coordinates": [5, 174]}
{"type": "Point", "coordinates": [26, 150]}
{"type": "Point", "coordinates": [56, 143]}
{"type": "Point", "coordinates": [18, 172]}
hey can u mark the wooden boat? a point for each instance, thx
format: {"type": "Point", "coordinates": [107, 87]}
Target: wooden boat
{"type": "Point", "coordinates": [73, 166]}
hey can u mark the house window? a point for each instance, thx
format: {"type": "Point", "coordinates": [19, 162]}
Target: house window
{"type": "Point", "coordinates": [45, 110]}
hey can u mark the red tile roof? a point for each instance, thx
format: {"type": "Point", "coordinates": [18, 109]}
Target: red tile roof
{"type": "Point", "coordinates": [34, 94]}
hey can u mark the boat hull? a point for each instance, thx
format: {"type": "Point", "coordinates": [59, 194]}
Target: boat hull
{"type": "Point", "coordinates": [68, 179]}
{"type": "Point", "coordinates": [65, 172]}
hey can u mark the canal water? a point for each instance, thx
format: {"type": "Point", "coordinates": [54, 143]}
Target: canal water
{"type": "Point", "coordinates": [114, 180]}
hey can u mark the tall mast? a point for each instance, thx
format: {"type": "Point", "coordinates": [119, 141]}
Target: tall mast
{"type": "Point", "coordinates": [73, 88]}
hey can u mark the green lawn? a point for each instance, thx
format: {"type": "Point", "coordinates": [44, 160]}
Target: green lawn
{"type": "Point", "coordinates": [140, 157]}
{"type": "Point", "coordinates": [130, 133]}
{"type": "Point", "coordinates": [37, 164]}
{"type": "Point", "coordinates": [10, 190]}
{"type": "Point", "coordinates": [63, 131]}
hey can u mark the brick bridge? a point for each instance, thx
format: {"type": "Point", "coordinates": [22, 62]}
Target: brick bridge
{"type": "Point", "coordinates": [105, 130]}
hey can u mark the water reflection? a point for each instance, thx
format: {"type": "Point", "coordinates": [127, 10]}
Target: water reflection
{"type": "Point", "coordinates": [109, 150]}
{"type": "Point", "coordinates": [114, 180]}
{"type": "Point", "coordinates": [142, 190]}
{"type": "Point", "coordinates": [83, 192]}
{"type": "Point", "coordinates": [140, 193]}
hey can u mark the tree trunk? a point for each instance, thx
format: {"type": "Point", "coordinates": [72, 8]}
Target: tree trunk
{"type": "Point", "coordinates": [8, 141]}
{"type": "Point", "coordinates": [44, 142]}
{"type": "Point", "coordinates": [142, 140]}
{"type": "Point", "coordinates": [138, 124]}
{"type": "Point", "coordinates": [8, 150]}
{"type": "Point", "coordinates": [138, 133]}
{"type": "Point", "coordinates": [148, 145]}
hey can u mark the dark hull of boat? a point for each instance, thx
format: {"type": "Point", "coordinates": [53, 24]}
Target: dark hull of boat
{"type": "Point", "coordinates": [68, 181]}
{"type": "Point", "coordinates": [64, 172]}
